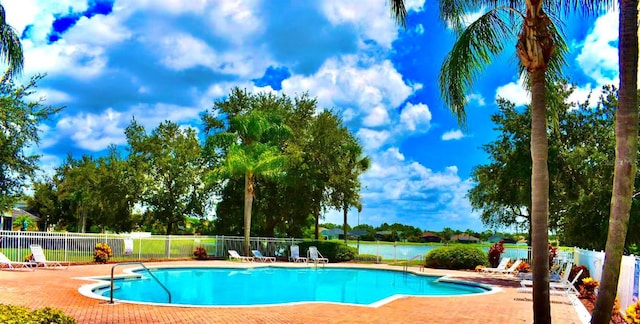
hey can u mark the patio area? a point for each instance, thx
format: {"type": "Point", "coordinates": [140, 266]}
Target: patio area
{"type": "Point", "coordinates": [59, 289]}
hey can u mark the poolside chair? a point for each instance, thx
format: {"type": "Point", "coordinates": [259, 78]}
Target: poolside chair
{"type": "Point", "coordinates": [501, 266]}
{"type": "Point", "coordinates": [564, 287]}
{"type": "Point", "coordinates": [512, 270]}
{"type": "Point", "coordinates": [13, 265]}
{"type": "Point", "coordinates": [314, 255]}
{"type": "Point", "coordinates": [40, 259]}
{"type": "Point", "coordinates": [233, 255]}
{"type": "Point", "coordinates": [258, 255]}
{"type": "Point", "coordinates": [295, 254]}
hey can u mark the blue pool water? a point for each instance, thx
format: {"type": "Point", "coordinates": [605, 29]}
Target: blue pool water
{"type": "Point", "coordinates": [269, 285]}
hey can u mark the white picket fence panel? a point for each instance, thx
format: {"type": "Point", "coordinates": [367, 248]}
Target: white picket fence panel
{"type": "Point", "coordinates": [628, 284]}
{"type": "Point", "coordinates": [79, 247]}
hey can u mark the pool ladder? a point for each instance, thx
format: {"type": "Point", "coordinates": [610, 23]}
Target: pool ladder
{"type": "Point", "coordinates": [405, 268]}
{"type": "Point", "coordinates": [150, 273]}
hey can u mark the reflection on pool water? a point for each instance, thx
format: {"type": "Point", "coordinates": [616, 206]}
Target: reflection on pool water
{"type": "Point", "coordinates": [273, 285]}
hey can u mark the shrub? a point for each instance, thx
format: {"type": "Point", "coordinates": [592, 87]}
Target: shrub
{"type": "Point", "coordinates": [102, 253]}
{"type": "Point", "coordinates": [334, 251]}
{"type": "Point", "coordinates": [367, 258]}
{"type": "Point", "coordinates": [588, 288]}
{"type": "Point", "coordinates": [200, 253]}
{"type": "Point", "coordinates": [632, 313]}
{"type": "Point", "coordinates": [494, 253]}
{"type": "Point", "coordinates": [19, 314]}
{"type": "Point", "coordinates": [553, 251]}
{"type": "Point", "coordinates": [455, 257]}
{"type": "Point", "coordinates": [29, 258]}
{"type": "Point", "coordinates": [523, 267]}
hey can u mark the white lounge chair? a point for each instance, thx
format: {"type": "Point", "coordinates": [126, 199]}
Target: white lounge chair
{"type": "Point", "coordinates": [501, 266]}
{"type": "Point", "coordinates": [564, 286]}
{"type": "Point", "coordinates": [13, 265]}
{"type": "Point", "coordinates": [512, 270]}
{"type": "Point", "coordinates": [233, 255]}
{"type": "Point", "coordinates": [313, 255]}
{"type": "Point", "coordinates": [258, 255]}
{"type": "Point", "coordinates": [295, 254]}
{"type": "Point", "coordinates": [40, 259]}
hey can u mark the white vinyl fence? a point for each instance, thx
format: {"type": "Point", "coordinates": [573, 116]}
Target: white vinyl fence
{"type": "Point", "coordinates": [628, 283]}
{"type": "Point", "coordinates": [79, 247]}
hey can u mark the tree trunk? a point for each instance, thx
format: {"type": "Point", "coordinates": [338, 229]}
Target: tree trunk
{"type": "Point", "coordinates": [316, 211]}
{"type": "Point", "coordinates": [167, 242]}
{"type": "Point", "coordinates": [625, 167]}
{"type": "Point", "coordinates": [344, 225]}
{"type": "Point", "coordinates": [539, 199]}
{"type": "Point", "coordinates": [248, 201]}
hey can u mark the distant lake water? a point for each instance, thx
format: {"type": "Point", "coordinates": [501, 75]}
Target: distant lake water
{"type": "Point", "coordinates": [404, 252]}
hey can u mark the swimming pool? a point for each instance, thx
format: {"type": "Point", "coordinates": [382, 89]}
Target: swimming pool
{"type": "Point", "coordinates": [279, 285]}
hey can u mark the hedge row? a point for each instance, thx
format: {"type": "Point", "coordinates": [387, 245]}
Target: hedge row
{"type": "Point", "coordinates": [11, 314]}
{"type": "Point", "coordinates": [455, 257]}
{"type": "Point", "coordinates": [334, 251]}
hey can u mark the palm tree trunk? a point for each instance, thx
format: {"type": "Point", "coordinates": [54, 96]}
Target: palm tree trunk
{"type": "Point", "coordinates": [248, 201]}
{"type": "Point", "coordinates": [539, 199]}
{"type": "Point", "coordinates": [625, 167]}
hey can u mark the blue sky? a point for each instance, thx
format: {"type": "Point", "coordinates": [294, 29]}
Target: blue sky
{"type": "Point", "coordinates": [108, 61]}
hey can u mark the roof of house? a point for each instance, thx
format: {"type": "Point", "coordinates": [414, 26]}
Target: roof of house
{"type": "Point", "coordinates": [17, 212]}
{"type": "Point", "coordinates": [464, 237]}
{"type": "Point", "coordinates": [429, 234]}
{"type": "Point", "coordinates": [333, 231]}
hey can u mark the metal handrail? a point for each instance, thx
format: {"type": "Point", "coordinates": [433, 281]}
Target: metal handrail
{"type": "Point", "coordinates": [406, 264]}
{"type": "Point", "coordinates": [149, 271]}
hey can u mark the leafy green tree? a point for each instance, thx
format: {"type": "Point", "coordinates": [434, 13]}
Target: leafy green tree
{"type": "Point", "coordinates": [76, 183]}
{"type": "Point", "coordinates": [10, 47]}
{"type": "Point", "coordinates": [344, 182]}
{"type": "Point", "coordinates": [322, 155]}
{"type": "Point", "coordinates": [625, 162]}
{"type": "Point", "coordinates": [44, 202]}
{"type": "Point", "coordinates": [19, 120]}
{"type": "Point", "coordinates": [116, 192]}
{"type": "Point", "coordinates": [171, 165]}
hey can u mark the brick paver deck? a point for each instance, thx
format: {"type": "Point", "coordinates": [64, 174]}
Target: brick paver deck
{"type": "Point", "coordinates": [59, 289]}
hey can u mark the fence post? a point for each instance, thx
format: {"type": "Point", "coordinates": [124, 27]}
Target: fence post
{"type": "Point", "coordinates": [66, 245]}
{"type": "Point", "coordinates": [169, 249]}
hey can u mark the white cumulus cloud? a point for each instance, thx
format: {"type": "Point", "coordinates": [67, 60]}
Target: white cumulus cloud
{"type": "Point", "coordinates": [452, 135]}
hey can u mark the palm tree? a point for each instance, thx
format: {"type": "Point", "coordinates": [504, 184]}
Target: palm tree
{"type": "Point", "coordinates": [252, 155]}
{"type": "Point", "coordinates": [626, 151]}
{"type": "Point", "coordinates": [536, 47]}
{"type": "Point", "coordinates": [10, 47]}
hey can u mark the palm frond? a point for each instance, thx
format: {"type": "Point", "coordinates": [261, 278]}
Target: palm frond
{"type": "Point", "coordinates": [398, 12]}
{"type": "Point", "coordinates": [453, 12]}
{"type": "Point", "coordinates": [473, 50]}
{"type": "Point", "coordinates": [11, 49]}
{"type": "Point", "coordinates": [584, 7]}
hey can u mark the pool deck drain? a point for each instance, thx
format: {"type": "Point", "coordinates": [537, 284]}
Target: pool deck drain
{"type": "Point", "coordinates": [59, 289]}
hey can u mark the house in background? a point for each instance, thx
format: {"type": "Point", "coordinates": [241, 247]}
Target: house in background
{"type": "Point", "coordinates": [464, 238]}
{"type": "Point", "coordinates": [7, 221]}
{"type": "Point", "coordinates": [430, 238]}
{"type": "Point", "coordinates": [333, 234]}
